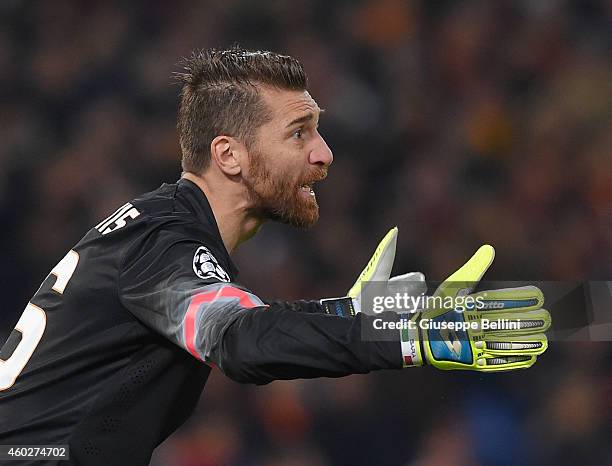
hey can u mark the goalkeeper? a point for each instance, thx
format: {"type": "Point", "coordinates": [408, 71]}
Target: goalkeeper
{"type": "Point", "coordinates": [112, 353]}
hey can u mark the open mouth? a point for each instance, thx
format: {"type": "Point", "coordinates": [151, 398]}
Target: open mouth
{"type": "Point", "coordinates": [307, 189]}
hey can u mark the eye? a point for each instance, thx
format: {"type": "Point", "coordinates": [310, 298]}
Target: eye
{"type": "Point", "coordinates": [298, 133]}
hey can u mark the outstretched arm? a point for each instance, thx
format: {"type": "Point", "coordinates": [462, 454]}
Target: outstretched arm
{"type": "Point", "coordinates": [224, 324]}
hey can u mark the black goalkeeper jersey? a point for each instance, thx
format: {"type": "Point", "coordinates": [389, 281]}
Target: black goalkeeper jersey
{"type": "Point", "coordinates": [112, 352]}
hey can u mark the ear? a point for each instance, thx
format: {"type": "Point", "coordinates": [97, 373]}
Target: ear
{"type": "Point", "coordinates": [226, 152]}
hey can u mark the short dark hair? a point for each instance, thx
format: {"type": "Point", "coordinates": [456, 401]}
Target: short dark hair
{"type": "Point", "coordinates": [220, 96]}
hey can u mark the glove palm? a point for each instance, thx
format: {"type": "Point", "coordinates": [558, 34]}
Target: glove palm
{"type": "Point", "coordinates": [514, 344]}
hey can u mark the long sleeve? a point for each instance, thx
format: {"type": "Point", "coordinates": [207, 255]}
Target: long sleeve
{"type": "Point", "coordinates": [266, 344]}
{"type": "Point", "coordinates": [226, 325]}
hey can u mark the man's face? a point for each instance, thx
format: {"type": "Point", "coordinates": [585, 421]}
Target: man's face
{"type": "Point", "coordinates": [287, 157]}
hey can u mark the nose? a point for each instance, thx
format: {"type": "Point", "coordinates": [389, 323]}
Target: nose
{"type": "Point", "coordinates": [321, 154]}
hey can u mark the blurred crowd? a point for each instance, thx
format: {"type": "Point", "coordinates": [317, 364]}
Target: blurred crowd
{"type": "Point", "coordinates": [460, 122]}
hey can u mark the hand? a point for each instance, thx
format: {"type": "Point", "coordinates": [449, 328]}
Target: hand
{"type": "Point", "coordinates": [478, 348]}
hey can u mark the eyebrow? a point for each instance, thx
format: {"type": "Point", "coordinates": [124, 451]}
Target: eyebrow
{"type": "Point", "coordinates": [303, 119]}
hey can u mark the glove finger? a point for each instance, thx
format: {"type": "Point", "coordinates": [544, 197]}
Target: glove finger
{"type": "Point", "coordinates": [502, 345]}
{"type": "Point", "coordinates": [412, 283]}
{"type": "Point", "coordinates": [380, 264]}
{"type": "Point", "coordinates": [410, 276]}
{"type": "Point", "coordinates": [521, 298]}
{"type": "Point", "coordinates": [515, 322]}
{"type": "Point", "coordinates": [463, 281]}
{"type": "Point", "coordinates": [505, 363]}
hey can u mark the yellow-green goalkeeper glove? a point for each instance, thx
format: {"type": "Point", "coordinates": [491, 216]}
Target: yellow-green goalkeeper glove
{"type": "Point", "coordinates": [457, 336]}
{"type": "Point", "coordinates": [378, 269]}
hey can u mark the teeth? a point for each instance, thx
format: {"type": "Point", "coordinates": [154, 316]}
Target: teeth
{"type": "Point", "coordinates": [307, 189]}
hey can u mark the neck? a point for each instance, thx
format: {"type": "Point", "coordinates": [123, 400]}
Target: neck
{"type": "Point", "coordinates": [230, 207]}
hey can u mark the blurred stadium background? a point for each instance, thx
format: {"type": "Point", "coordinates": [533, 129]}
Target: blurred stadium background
{"type": "Point", "coordinates": [461, 122]}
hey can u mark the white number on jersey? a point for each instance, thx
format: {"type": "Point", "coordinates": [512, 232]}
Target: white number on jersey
{"type": "Point", "coordinates": [32, 324]}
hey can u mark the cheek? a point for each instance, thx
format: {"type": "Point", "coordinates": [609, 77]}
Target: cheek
{"type": "Point", "coordinates": [280, 161]}
{"type": "Point", "coordinates": [284, 165]}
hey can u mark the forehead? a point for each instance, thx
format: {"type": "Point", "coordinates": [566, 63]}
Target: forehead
{"type": "Point", "coordinates": [286, 105]}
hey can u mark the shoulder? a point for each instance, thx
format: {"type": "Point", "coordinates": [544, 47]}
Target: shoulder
{"type": "Point", "coordinates": [159, 215]}
{"type": "Point", "coordinates": [168, 242]}
{"type": "Point", "coordinates": [163, 227]}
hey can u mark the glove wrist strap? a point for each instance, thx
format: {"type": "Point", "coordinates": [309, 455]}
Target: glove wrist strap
{"type": "Point", "coordinates": [412, 352]}
{"type": "Point", "coordinates": [343, 307]}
